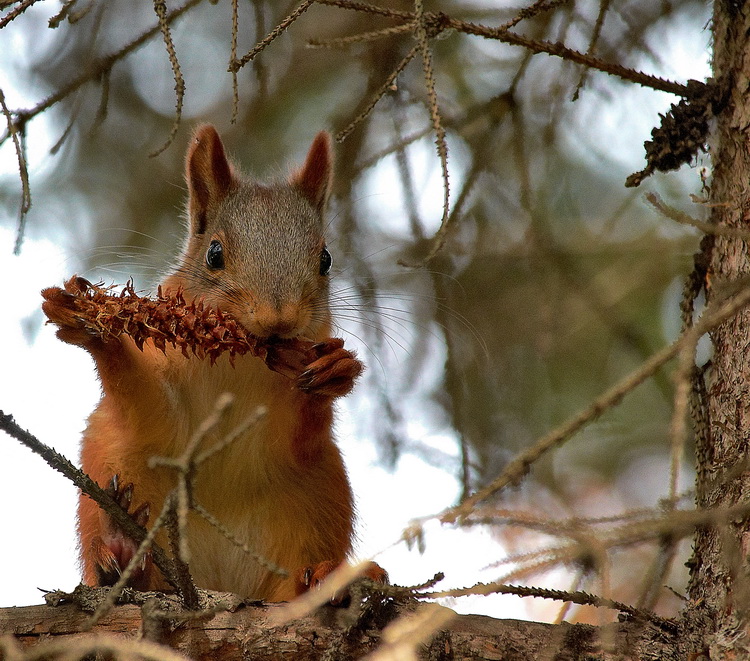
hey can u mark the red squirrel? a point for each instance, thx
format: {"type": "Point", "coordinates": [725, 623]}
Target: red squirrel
{"type": "Point", "coordinates": [258, 252]}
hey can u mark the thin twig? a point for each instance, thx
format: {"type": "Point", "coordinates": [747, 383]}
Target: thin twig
{"type": "Point", "coordinates": [595, 34]}
{"type": "Point", "coordinates": [407, 635]}
{"type": "Point", "coordinates": [72, 118]}
{"type": "Point", "coordinates": [421, 35]}
{"type": "Point", "coordinates": [685, 219]}
{"type": "Point", "coordinates": [440, 22]}
{"type": "Point", "coordinates": [681, 399]}
{"type": "Point", "coordinates": [261, 70]}
{"type": "Point", "coordinates": [438, 241]}
{"type": "Point", "coordinates": [250, 421]}
{"type": "Point", "coordinates": [578, 582]}
{"type": "Point", "coordinates": [590, 545]}
{"type": "Point", "coordinates": [482, 109]}
{"type": "Point", "coordinates": [343, 42]}
{"type": "Point", "coordinates": [186, 466]}
{"type": "Point", "coordinates": [657, 573]}
{"type": "Point", "coordinates": [103, 109]}
{"type": "Point", "coordinates": [562, 51]}
{"type": "Point", "coordinates": [236, 65]}
{"type": "Point", "coordinates": [160, 7]}
{"type": "Point", "coordinates": [533, 10]}
{"type": "Point", "coordinates": [577, 597]}
{"type": "Point", "coordinates": [176, 524]}
{"type": "Point", "coordinates": [62, 14]}
{"type": "Point", "coordinates": [143, 547]}
{"type": "Point", "coordinates": [19, 142]}
{"type": "Point", "coordinates": [79, 98]}
{"type": "Point", "coordinates": [67, 12]}
{"type": "Point", "coordinates": [497, 516]}
{"type": "Point", "coordinates": [367, 8]}
{"type": "Point", "coordinates": [177, 504]}
{"type": "Point", "coordinates": [15, 13]}
{"type": "Point", "coordinates": [233, 58]}
{"type": "Point", "coordinates": [231, 537]}
{"type": "Point", "coordinates": [379, 93]}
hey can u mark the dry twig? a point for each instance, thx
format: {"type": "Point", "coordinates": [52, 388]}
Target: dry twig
{"type": "Point", "coordinates": [19, 142]}
{"type": "Point", "coordinates": [684, 219]}
{"type": "Point", "coordinates": [236, 65]}
{"type": "Point", "coordinates": [576, 597]}
{"type": "Point", "coordinates": [233, 58]}
{"type": "Point", "coordinates": [16, 12]}
{"type": "Point", "coordinates": [386, 87]}
{"type": "Point", "coordinates": [595, 34]}
{"type": "Point", "coordinates": [374, 35]}
{"type": "Point", "coordinates": [422, 34]}
{"type": "Point", "coordinates": [160, 7]}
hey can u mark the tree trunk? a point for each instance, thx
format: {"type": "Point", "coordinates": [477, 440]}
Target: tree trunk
{"type": "Point", "coordinates": [716, 616]}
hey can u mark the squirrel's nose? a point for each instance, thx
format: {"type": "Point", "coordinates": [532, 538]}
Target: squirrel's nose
{"type": "Point", "coordinates": [279, 320]}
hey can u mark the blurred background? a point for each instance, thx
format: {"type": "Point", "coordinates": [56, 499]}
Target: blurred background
{"type": "Point", "coordinates": [554, 282]}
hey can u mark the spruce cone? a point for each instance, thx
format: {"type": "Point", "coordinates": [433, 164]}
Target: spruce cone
{"type": "Point", "coordinates": [169, 319]}
{"type": "Point", "coordinates": [682, 133]}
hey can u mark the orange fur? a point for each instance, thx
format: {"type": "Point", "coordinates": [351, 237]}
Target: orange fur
{"type": "Point", "coordinates": [282, 487]}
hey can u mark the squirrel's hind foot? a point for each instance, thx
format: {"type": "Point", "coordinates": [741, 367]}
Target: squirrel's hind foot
{"type": "Point", "coordinates": [310, 578]}
{"type": "Point", "coordinates": [113, 550]}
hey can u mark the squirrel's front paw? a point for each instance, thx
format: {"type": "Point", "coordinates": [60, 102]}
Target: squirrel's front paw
{"type": "Point", "coordinates": [113, 550]}
{"type": "Point", "coordinates": [60, 306]}
{"type": "Point", "coordinates": [310, 578]}
{"type": "Point", "coordinates": [331, 371]}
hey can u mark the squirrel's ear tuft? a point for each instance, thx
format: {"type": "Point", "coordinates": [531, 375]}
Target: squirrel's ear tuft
{"type": "Point", "coordinates": [314, 178]}
{"type": "Point", "coordinates": [208, 173]}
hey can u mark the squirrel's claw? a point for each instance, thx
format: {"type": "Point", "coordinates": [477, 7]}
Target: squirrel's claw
{"type": "Point", "coordinates": [332, 372]}
{"type": "Point", "coordinates": [113, 549]}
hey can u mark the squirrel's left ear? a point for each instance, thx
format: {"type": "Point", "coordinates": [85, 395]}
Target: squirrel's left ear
{"type": "Point", "coordinates": [314, 178]}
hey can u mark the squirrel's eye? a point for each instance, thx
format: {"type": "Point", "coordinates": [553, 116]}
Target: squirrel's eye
{"type": "Point", "coordinates": [325, 261]}
{"type": "Point", "coordinates": [215, 255]}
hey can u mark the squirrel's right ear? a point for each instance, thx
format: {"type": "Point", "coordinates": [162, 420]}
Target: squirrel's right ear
{"type": "Point", "coordinates": [208, 173]}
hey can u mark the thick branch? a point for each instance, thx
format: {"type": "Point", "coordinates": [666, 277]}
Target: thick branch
{"type": "Point", "coordinates": [246, 633]}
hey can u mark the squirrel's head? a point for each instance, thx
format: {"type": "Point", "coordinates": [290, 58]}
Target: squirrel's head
{"type": "Point", "coordinates": [258, 251]}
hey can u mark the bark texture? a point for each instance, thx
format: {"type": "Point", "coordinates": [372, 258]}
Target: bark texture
{"type": "Point", "coordinates": [247, 633]}
{"type": "Point", "coordinates": [716, 616]}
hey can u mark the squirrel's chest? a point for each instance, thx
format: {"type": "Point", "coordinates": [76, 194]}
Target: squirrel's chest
{"type": "Point", "coordinates": [254, 431]}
